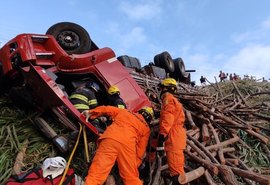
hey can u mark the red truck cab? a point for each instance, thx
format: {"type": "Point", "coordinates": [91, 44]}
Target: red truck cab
{"type": "Point", "coordinates": [40, 64]}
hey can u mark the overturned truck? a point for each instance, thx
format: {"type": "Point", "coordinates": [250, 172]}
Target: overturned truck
{"type": "Point", "coordinates": [40, 71]}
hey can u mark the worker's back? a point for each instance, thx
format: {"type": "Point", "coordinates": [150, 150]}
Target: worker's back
{"type": "Point", "coordinates": [126, 128]}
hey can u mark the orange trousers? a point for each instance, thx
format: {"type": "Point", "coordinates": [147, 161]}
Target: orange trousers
{"type": "Point", "coordinates": [176, 162]}
{"type": "Point", "coordinates": [108, 152]}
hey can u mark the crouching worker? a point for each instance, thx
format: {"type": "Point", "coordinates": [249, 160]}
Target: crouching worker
{"type": "Point", "coordinates": [171, 130]}
{"type": "Point", "coordinates": [124, 141]}
{"type": "Point", "coordinates": [114, 98]}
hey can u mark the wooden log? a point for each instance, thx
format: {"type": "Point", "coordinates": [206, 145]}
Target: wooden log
{"type": "Point", "coordinates": [262, 116]}
{"type": "Point", "coordinates": [259, 93]}
{"type": "Point", "coordinates": [211, 84]}
{"type": "Point", "coordinates": [157, 174]}
{"type": "Point", "coordinates": [264, 139]}
{"type": "Point", "coordinates": [225, 150]}
{"type": "Point", "coordinates": [193, 132]}
{"type": "Point", "coordinates": [262, 128]}
{"type": "Point", "coordinates": [192, 175]}
{"type": "Point", "coordinates": [227, 175]}
{"type": "Point", "coordinates": [190, 120]}
{"type": "Point", "coordinates": [197, 149]}
{"type": "Point", "coordinates": [205, 133]}
{"type": "Point", "coordinates": [242, 97]}
{"type": "Point", "coordinates": [200, 116]}
{"type": "Point", "coordinates": [220, 152]}
{"type": "Point", "coordinates": [219, 89]}
{"type": "Point", "coordinates": [203, 148]}
{"type": "Point", "coordinates": [224, 143]}
{"type": "Point", "coordinates": [263, 180]}
{"type": "Point", "coordinates": [264, 170]}
{"type": "Point", "coordinates": [244, 144]}
{"type": "Point", "coordinates": [257, 122]}
{"type": "Point", "coordinates": [197, 136]}
{"type": "Point", "coordinates": [247, 126]}
{"type": "Point", "coordinates": [207, 164]}
{"type": "Point", "coordinates": [248, 111]}
{"type": "Point", "coordinates": [247, 181]}
{"type": "Point", "coordinates": [209, 178]}
{"type": "Point", "coordinates": [241, 163]}
{"type": "Point", "coordinates": [228, 107]}
{"type": "Point", "coordinates": [222, 99]}
{"type": "Point", "coordinates": [244, 166]}
{"type": "Point", "coordinates": [229, 149]}
{"type": "Point", "coordinates": [233, 161]}
{"type": "Point", "coordinates": [217, 115]}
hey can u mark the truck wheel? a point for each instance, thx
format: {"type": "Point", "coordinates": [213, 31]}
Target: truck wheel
{"type": "Point", "coordinates": [164, 60]}
{"type": "Point", "coordinates": [73, 38]}
{"type": "Point", "coordinates": [156, 61]}
{"type": "Point", "coordinates": [180, 71]}
{"type": "Point", "coordinates": [131, 62]}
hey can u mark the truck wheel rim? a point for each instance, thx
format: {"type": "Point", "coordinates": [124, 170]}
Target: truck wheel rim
{"type": "Point", "coordinates": [68, 40]}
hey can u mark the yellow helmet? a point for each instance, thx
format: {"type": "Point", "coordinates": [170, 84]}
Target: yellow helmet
{"type": "Point", "coordinates": [147, 113]}
{"type": "Point", "coordinates": [113, 90]}
{"type": "Point", "coordinates": [169, 82]}
{"type": "Point", "coordinates": [149, 110]}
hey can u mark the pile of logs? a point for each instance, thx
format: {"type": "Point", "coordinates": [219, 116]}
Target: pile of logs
{"type": "Point", "coordinates": [216, 125]}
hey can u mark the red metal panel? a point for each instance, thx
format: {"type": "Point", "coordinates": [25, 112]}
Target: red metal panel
{"type": "Point", "coordinates": [114, 73]}
{"type": "Point", "coordinates": [49, 95]}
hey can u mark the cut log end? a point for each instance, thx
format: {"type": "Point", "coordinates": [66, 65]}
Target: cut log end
{"type": "Point", "coordinates": [192, 175]}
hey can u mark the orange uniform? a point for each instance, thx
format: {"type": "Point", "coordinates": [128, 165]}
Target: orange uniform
{"type": "Point", "coordinates": [172, 128]}
{"type": "Point", "coordinates": [124, 141]}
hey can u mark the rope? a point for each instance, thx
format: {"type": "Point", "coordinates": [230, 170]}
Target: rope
{"type": "Point", "coordinates": [71, 155]}
{"type": "Point", "coordinates": [86, 145]}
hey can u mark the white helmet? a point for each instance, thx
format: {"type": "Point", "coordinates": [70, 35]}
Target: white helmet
{"type": "Point", "coordinates": [53, 167]}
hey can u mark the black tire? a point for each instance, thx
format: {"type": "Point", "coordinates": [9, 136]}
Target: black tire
{"type": "Point", "coordinates": [165, 61]}
{"type": "Point", "coordinates": [180, 70]}
{"type": "Point", "coordinates": [73, 38]}
{"type": "Point", "coordinates": [131, 62]}
{"type": "Point", "coordinates": [156, 61]}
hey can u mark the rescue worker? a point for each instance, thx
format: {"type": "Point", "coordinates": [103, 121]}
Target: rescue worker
{"type": "Point", "coordinates": [172, 134]}
{"type": "Point", "coordinates": [84, 98]}
{"type": "Point", "coordinates": [124, 141]}
{"type": "Point", "coordinates": [114, 98]}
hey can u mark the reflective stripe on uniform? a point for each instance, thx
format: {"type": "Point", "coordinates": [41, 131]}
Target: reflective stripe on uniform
{"type": "Point", "coordinates": [92, 102]}
{"type": "Point", "coordinates": [80, 97]}
{"type": "Point", "coordinates": [121, 106]}
{"type": "Point", "coordinates": [81, 106]}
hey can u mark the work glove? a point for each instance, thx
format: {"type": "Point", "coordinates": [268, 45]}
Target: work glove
{"type": "Point", "coordinates": [87, 115]}
{"type": "Point", "coordinates": [160, 146]}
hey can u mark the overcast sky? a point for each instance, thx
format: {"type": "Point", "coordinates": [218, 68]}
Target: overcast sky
{"type": "Point", "coordinates": [209, 35]}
